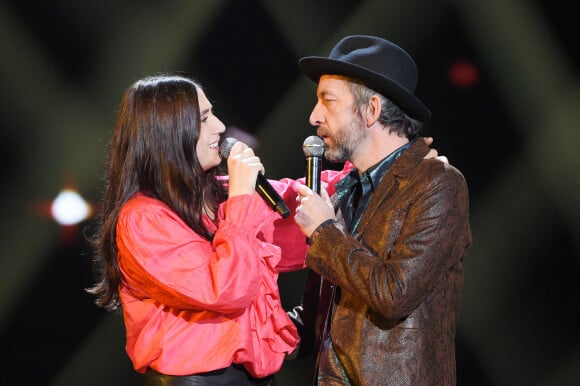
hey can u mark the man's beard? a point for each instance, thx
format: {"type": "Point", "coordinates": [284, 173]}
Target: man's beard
{"type": "Point", "coordinates": [346, 141]}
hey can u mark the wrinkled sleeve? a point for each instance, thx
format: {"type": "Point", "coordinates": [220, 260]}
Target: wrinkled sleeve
{"type": "Point", "coordinates": [271, 333]}
{"type": "Point", "coordinates": [284, 232]}
{"type": "Point", "coordinates": [161, 258]}
{"type": "Point", "coordinates": [431, 240]}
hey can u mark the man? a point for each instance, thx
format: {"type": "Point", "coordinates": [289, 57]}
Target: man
{"type": "Point", "coordinates": [390, 242]}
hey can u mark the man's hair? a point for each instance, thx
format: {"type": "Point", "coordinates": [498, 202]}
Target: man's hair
{"type": "Point", "coordinates": [394, 119]}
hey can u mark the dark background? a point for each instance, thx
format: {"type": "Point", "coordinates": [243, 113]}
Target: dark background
{"type": "Point", "coordinates": [500, 76]}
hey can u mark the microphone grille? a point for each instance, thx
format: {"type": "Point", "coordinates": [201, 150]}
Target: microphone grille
{"type": "Point", "coordinates": [226, 146]}
{"type": "Point", "coordinates": [313, 146]}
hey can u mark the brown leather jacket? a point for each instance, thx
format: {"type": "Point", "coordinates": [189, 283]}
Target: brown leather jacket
{"type": "Point", "coordinates": [400, 278]}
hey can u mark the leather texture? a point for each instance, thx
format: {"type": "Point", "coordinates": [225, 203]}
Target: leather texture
{"type": "Point", "coordinates": [400, 278]}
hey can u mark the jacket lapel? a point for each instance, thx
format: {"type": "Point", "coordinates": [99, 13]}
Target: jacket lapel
{"type": "Point", "coordinates": [401, 168]}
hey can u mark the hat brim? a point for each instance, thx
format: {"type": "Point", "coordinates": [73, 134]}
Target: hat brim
{"type": "Point", "coordinates": [315, 66]}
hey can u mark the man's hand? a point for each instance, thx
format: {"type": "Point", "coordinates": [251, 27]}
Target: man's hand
{"type": "Point", "coordinates": [312, 210]}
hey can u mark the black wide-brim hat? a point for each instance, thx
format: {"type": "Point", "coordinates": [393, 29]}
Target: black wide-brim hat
{"type": "Point", "coordinates": [380, 64]}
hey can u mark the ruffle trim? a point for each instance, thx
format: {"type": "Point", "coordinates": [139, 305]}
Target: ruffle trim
{"type": "Point", "coordinates": [271, 332]}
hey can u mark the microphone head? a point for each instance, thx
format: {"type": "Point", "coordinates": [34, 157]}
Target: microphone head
{"type": "Point", "coordinates": [313, 146]}
{"type": "Point", "coordinates": [226, 147]}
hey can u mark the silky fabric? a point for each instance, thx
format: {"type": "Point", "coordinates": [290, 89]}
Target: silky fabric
{"type": "Point", "coordinates": [179, 289]}
{"type": "Point", "coordinates": [233, 375]}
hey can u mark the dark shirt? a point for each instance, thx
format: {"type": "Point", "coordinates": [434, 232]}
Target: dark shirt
{"type": "Point", "coordinates": [355, 190]}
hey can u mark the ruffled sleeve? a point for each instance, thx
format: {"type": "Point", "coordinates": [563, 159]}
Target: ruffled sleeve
{"type": "Point", "coordinates": [163, 259]}
{"type": "Point", "coordinates": [270, 334]}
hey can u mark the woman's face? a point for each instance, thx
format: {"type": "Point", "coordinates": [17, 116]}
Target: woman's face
{"type": "Point", "coordinates": [207, 147]}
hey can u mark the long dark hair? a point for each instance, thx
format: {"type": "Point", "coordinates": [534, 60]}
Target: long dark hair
{"type": "Point", "coordinates": [152, 150]}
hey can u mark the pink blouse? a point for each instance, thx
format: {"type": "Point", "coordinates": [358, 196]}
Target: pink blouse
{"type": "Point", "coordinates": [192, 306]}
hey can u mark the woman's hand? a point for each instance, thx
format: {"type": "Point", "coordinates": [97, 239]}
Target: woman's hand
{"type": "Point", "coordinates": [433, 152]}
{"type": "Point", "coordinates": [243, 169]}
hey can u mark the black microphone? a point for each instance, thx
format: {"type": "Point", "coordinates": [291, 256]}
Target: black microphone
{"type": "Point", "coordinates": [263, 187]}
{"type": "Point", "coordinates": [313, 148]}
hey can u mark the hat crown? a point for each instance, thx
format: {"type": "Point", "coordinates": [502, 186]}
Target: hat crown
{"type": "Point", "coordinates": [380, 56]}
{"type": "Point", "coordinates": [380, 64]}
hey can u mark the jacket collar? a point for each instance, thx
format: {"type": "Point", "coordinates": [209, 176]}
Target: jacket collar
{"type": "Point", "coordinates": [400, 169]}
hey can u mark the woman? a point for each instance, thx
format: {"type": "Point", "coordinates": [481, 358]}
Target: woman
{"type": "Point", "coordinates": [189, 256]}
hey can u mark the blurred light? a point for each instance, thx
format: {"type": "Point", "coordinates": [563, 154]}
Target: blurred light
{"type": "Point", "coordinates": [242, 136]}
{"type": "Point", "coordinates": [463, 73]}
{"type": "Point", "coordinates": [69, 208]}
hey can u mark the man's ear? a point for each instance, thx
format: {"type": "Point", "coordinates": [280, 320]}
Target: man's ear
{"type": "Point", "coordinates": [373, 110]}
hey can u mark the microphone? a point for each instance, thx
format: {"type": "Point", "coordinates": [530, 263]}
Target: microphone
{"type": "Point", "coordinates": [313, 148]}
{"type": "Point", "coordinates": [263, 187]}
